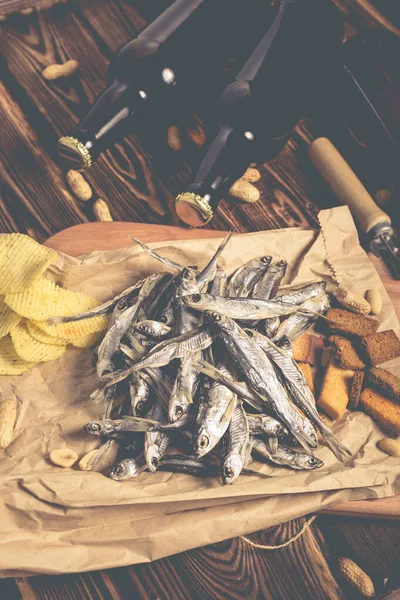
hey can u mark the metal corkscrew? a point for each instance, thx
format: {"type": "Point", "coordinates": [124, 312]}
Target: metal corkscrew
{"type": "Point", "coordinates": [371, 220]}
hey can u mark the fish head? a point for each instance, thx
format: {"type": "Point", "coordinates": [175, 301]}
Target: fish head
{"type": "Point", "coordinates": [122, 305]}
{"type": "Point", "coordinates": [167, 317]}
{"type": "Point", "coordinates": [204, 440]}
{"type": "Point", "coordinates": [98, 427]}
{"type": "Point", "coordinates": [285, 343]}
{"type": "Point", "coordinates": [198, 301]}
{"type": "Point", "coordinates": [139, 408]}
{"type": "Point", "coordinates": [188, 283]}
{"type": "Point", "coordinates": [178, 406]}
{"type": "Point", "coordinates": [104, 366]}
{"type": "Point", "coordinates": [216, 318]}
{"type": "Point", "coordinates": [231, 468]}
{"type": "Point", "coordinates": [152, 457]}
{"type": "Point", "coordinates": [124, 469]}
{"type": "Point", "coordinates": [143, 327]}
{"type": "Point", "coordinates": [307, 461]}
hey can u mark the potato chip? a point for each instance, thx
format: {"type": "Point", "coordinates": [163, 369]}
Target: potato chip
{"type": "Point", "coordinates": [8, 318]}
{"type": "Point", "coordinates": [42, 336]}
{"type": "Point", "coordinates": [86, 341]}
{"type": "Point", "coordinates": [22, 262]}
{"type": "Point", "coordinates": [10, 362]}
{"type": "Point", "coordinates": [45, 299]}
{"type": "Point", "coordinates": [30, 349]}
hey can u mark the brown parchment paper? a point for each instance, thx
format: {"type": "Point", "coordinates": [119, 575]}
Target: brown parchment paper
{"type": "Point", "coordinates": [55, 520]}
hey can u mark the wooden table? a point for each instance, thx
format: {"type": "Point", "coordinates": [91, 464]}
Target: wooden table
{"type": "Point", "coordinates": [139, 180]}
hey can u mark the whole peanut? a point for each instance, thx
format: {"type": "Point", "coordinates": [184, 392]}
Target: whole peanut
{"type": "Point", "coordinates": [8, 416]}
{"type": "Point", "coordinates": [101, 210]}
{"type": "Point", "coordinates": [374, 297]}
{"type": "Point", "coordinates": [65, 70]}
{"type": "Point", "coordinates": [245, 191]}
{"type": "Point", "coordinates": [175, 138]}
{"type": "Point", "coordinates": [79, 185]}
{"type": "Point", "coordinates": [63, 457]}
{"type": "Point", "coordinates": [356, 577]}
{"type": "Point", "coordinates": [252, 175]}
{"type": "Point", "coordinates": [351, 301]}
{"type": "Point", "coordinates": [390, 446]}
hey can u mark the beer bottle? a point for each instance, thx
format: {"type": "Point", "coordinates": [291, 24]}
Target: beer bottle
{"type": "Point", "coordinates": [259, 108]}
{"type": "Point", "coordinates": [182, 52]}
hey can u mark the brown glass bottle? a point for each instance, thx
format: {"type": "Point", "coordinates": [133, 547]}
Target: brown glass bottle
{"type": "Point", "coordinates": [258, 110]}
{"type": "Point", "coordinates": [370, 81]}
{"type": "Point", "coordinates": [180, 54]}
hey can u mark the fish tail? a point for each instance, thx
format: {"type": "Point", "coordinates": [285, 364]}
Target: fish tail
{"type": "Point", "coordinates": [98, 395]}
{"type": "Point", "coordinates": [338, 449]}
{"type": "Point", "coordinates": [55, 320]}
{"type": "Point", "coordinates": [104, 366]}
{"type": "Point", "coordinates": [304, 439]}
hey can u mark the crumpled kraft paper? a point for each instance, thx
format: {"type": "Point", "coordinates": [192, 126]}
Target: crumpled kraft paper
{"type": "Point", "coordinates": [55, 520]}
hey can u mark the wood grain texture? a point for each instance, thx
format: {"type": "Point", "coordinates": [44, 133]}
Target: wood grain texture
{"type": "Point", "coordinates": [139, 178]}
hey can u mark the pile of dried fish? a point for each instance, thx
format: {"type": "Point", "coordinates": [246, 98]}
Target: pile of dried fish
{"type": "Point", "coordinates": [198, 363]}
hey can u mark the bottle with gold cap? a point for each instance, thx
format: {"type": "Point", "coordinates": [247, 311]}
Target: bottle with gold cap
{"type": "Point", "coordinates": [181, 54]}
{"type": "Point", "coordinates": [258, 110]}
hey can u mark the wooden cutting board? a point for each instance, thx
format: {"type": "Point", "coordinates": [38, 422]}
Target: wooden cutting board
{"type": "Point", "coordinates": [85, 238]}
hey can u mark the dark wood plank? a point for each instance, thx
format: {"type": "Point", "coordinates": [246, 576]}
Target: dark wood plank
{"type": "Point", "coordinates": [372, 544]}
{"type": "Point", "coordinates": [35, 199]}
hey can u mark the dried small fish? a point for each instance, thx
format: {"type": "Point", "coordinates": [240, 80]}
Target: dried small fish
{"type": "Point", "coordinates": [286, 457]}
{"type": "Point", "coordinates": [268, 285]}
{"type": "Point", "coordinates": [237, 446]}
{"type": "Point", "coordinates": [120, 325]}
{"type": "Point", "coordinates": [264, 424]}
{"type": "Point", "coordinates": [153, 329]}
{"type": "Point", "coordinates": [103, 309]}
{"type": "Point", "coordinates": [245, 278]}
{"type": "Point", "coordinates": [164, 353]}
{"type": "Point", "coordinates": [128, 468]}
{"type": "Point", "coordinates": [140, 395]}
{"type": "Point", "coordinates": [259, 374]}
{"type": "Point", "coordinates": [295, 325]}
{"type": "Point", "coordinates": [155, 442]}
{"type": "Point", "coordinates": [240, 308]}
{"type": "Point", "coordinates": [183, 390]}
{"type": "Point", "coordinates": [213, 417]}
{"type": "Point", "coordinates": [266, 289]}
{"type": "Point", "coordinates": [191, 465]}
{"type": "Point", "coordinates": [306, 292]}
{"type": "Point", "coordinates": [219, 283]}
{"type": "Point", "coordinates": [293, 380]}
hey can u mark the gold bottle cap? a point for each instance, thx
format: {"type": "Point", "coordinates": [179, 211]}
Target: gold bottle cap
{"type": "Point", "coordinates": [193, 209]}
{"type": "Point", "coordinates": [74, 153]}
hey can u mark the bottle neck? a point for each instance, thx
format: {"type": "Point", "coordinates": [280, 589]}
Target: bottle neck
{"type": "Point", "coordinates": [107, 120]}
{"type": "Point", "coordinates": [227, 158]}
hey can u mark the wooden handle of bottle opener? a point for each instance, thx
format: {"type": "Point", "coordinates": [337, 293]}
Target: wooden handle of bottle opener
{"type": "Point", "coordinates": [346, 185]}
